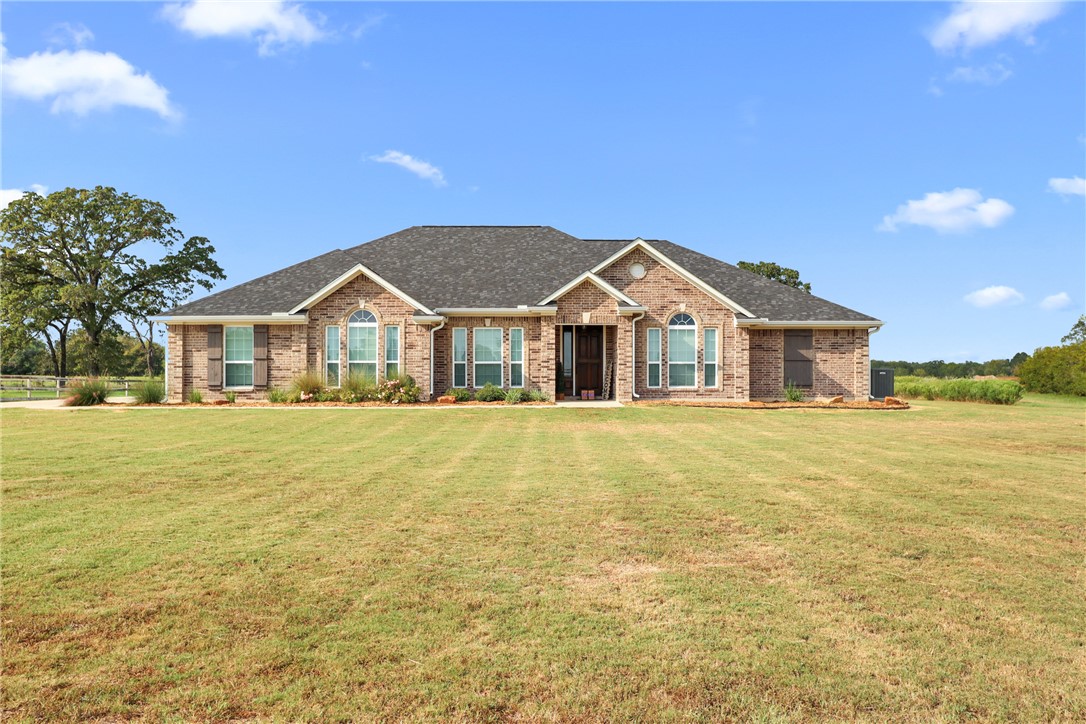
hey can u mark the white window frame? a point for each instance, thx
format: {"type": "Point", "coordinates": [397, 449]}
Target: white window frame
{"type": "Point", "coordinates": [399, 350]}
{"type": "Point", "coordinates": [682, 328]}
{"type": "Point", "coordinates": [339, 355]}
{"type": "Point", "coordinates": [463, 332]}
{"type": "Point", "coordinates": [705, 363]}
{"type": "Point", "coordinates": [225, 363]}
{"type": "Point", "coordinates": [475, 357]}
{"type": "Point", "coordinates": [659, 358]}
{"type": "Point", "coordinates": [519, 362]}
{"type": "Point", "coordinates": [376, 361]}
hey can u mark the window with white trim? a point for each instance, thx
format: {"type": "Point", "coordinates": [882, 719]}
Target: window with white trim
{"type": "Point", "coordinates": [709, 367]}
{"type": "Point", "coordinates": [362, 345]}
{"type": "Point", "coordinates": [460, 357]}
{"type": "Point", "coordinates": [653, 356]}
{"type": "Point", "coordinates": [238, 357]}
{"type": "Point", "coordinates": [516, 357]}
{"type": "Point", "coordinates": [331, 356]}
{"type": "Point", "coordinates": [682, 352]}
{"type": "Point", "coordinates": [392, 351]}
{"type": "Point", "coordinates": [487, 356]}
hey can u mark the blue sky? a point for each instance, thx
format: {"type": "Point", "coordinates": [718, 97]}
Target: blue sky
{"type": "Point", "coordinates": [921, 162]}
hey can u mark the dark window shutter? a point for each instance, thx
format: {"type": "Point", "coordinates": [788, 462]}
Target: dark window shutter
{"type": "Point", "coordinates": [799, 357]}
{"type": "Point", "coordinates": [214, 356]}
{"type": "Point", "coordinates": [260, 355]}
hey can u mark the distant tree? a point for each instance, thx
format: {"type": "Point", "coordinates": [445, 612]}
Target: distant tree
{"type": "Point", "coordinates": [31, 358]}
{"type": "Point", "coordinates": [79, 246]}
{"type": "Point", "coordinates": [31, 311]}
{"type": "Point", "coordinates": [1060, 370]}
{"type": "Point", "coordinates": [777, 273]}
{"type": "Point", "coordinates": [1017, 360]}
{"type": "Point", "coordinates": [1077, 333]}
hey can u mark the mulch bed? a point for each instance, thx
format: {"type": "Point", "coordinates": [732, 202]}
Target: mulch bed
{"type": "Point", "coordinates": [265, 403]}
{"type": "Point", "coordinates": [855, 405]}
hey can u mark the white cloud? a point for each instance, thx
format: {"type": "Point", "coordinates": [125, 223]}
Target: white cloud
{"type": "Point", "coordinates": [990, 74]}
{"type": "Point", "coordinates": [420, 168]}
{"type": "Point", "coordinates": [273, 24]}
{"type": "Point", "coordinates": [973, 24]}
{"type": "Point", "coordinates": [991, 296]}
{"type": "Point", "coordinates": [9, 195]}
{"type": "Point", "coordinates": [81, 81]}
{"type": "Point", "coordinates": [1068, 186]}
{"type": "Point", "coordinates": [66, 34]}
{"type": "Point", "coordinates": [954, 211]}
{"type": "Point", "coordinates": [1055, 301]}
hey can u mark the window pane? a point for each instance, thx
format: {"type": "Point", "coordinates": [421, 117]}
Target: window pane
{"type": "Point", "coordinates": [681, 345]}
{"type": "Point", "coordinates": [516, 345]}
{"type": "Point", "coordinates": [460, 375]}
{"type": "Point", "coordinates": [567, 353]}
{"type": "Point", "coordinates": [710, 346]}
{"type": "Point", "coordinates": [331, 344]}
{"type": "Point", "coordinates": [362, 344]}
{"type": "Point", "coordinates": [654, 345]}
{"type": "Point", "coordinates": [710, 375]}
{"type": "Point", "coordinates": [368, 370]}
{"type": "Point", "coordinates": [332, 374]}
{"type": "Point", "coordinates": [239, 344]}
{"type": "Point", "coordinates": [392, 369]}
{"type": "Point", "coordinates": [654, 375]}
{"type": "Point", "coordinates": [516, 374]}
{"type": "Point", "coordinates": [460, 344]}
{"type": "Point", "coordinates": [392, 344]}
{"type": "Point", "coordinates": [239, 374]}
{"type": "Point", "coordinates": [491, 373]}
{"type": "Point", "coordinates": [681, 375]}
{"type": "Point", "coordinates": [488, 345]}
{"type": "Point", "coordinates": [362, 316]}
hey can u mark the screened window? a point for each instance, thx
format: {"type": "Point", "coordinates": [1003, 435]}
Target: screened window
{"type": "Point", "coordinates": [654, 356]}
{"type": "Point", "coordinates": [516, 357]}
{"type": "Point", "coordinates": [710, 367]}
{"type": "Point", "coordinates": [488, 357]}
{"type": "Point", "coordinates": [238, 357]}
{"type": "Point", "coordinates": [392, 351]}
{"type": "Point", "coordinates": [798, 357]}
{"type": "Point", "coordinates": [682, 352]}
{"type": "Point", "coordinates": [362, 345]}
{"type": "Point", "coordinates": [460, 357]}
{"type": "Point", "coordinates": [331, 356]}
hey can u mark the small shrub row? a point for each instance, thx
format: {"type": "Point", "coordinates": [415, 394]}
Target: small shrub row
{"type": "Point", "coordinates": [492, 393]}
{"type": "Point", "coordinates": [309, 387]}
{"type": "Point", "coordinates": [998, 392]}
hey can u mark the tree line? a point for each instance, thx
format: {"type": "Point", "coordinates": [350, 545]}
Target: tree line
{"type": "Point", "coordinates": [939, 368]}
{"type": "Point", "coordinates": [82, 273]}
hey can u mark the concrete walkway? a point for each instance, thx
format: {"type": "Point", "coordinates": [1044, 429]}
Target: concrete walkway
{"type": "Point", "coordinates": [588, 403]}
{"type": "Point", "coordinates": [54, 403]}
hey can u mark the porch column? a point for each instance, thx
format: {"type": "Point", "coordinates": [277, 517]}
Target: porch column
{"type": "Point", "coordinates": [175, 363]}
{"type": "Point", "coordinates": [547, 355]}
{"type": "Point", "coordinates": [623, 360]}
{"type": "Point", "coordinates": [741, 364]}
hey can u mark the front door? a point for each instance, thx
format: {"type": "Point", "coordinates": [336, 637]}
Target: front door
{"type": "Point", "coordinates": [589, 359]}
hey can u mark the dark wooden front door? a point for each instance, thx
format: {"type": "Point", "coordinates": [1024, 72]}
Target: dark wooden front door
{"type": "Point", "coordinates": [589, 359]}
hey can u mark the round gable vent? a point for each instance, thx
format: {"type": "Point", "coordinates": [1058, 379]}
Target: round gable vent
{"type": "Point", "coordinates": [637, 270]}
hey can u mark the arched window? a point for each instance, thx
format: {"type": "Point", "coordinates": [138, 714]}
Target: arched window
{"type": "Point", "coordinates": [362, 345]}
{"type": "Point", "coordinates": [682, 352]}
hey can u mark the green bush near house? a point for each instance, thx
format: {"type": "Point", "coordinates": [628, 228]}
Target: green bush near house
{"type": "Point", "coordinates": [88, 392]}
{"type": "Point", "coordinates": [459, 394]}
{"type": "Point", "coordinates": [230, 396]}
{"type": "Point", "coordinates": [538, 396]}
{"type": "Point", "coordinates": [151, 392]}
{"type": "Point", "coordinates": [275, 394]}
{"type": "Point", "coordinates": [997, 392]}
{"type": "Point", "coordinates": [793, 393]}
{"type": "Point", "coordinates": [399, 389]}
{"type": "Point", "coordinates": [358, 388]}
{"type": "Point", "coordinates": [490, 393]}
{"type": "Point", "coordinates": [196, 397]}
{"type": "Point", "coordinates": [515, 397]}
{"type": "Point", "coordinates": [306, 386]}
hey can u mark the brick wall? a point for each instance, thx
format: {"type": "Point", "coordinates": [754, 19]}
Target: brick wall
{"type": "Point", "coordinates": [766, 363]}
{"type": "Point", "coordinates": [840, 363]}
{"type": "Point", "coordinates": [586, 298]}
{"type": "Point", "coordinates": [539, 350]}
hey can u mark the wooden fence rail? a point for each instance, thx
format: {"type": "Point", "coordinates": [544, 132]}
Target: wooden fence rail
{"type": "Point", "coordinates": [13, 387]}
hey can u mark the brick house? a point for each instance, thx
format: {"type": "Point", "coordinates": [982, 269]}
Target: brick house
{"type": "Point", "coordinates": [520, 306]}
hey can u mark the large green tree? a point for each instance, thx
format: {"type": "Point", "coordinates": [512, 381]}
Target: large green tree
{"type": "Point", "coordinates": [777, 273]}
{"type": "Point", "coordinates": [1077, 333]}
{"type": "Point", "coordinates": [101, 254]}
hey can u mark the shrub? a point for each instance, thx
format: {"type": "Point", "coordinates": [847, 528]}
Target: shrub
{"type": "Point", "coordinates": [793, 393]}
{"type": "Point", "coordinates": [275, 394]}
{"type": "Point", "coordinates": [358, 388]}
{"type": "Point", "coordinates": [195, 397]}
{"type": "Point", "coordinates": [88, 392]}
{"type": "Point", "coordinates": [307, 386]}
{"type": "Point", "coordinates": [230, 396]}
{"type": "Point", "coordinates": [329, 395]}
{"type": "Point", "coordinates": [1059, 370]}
{"type": "Point", "coordinates": [515, 396]}
{"type": "Point", "coordinates": [538, 396]}
{"type": "Point", "coordinates": [490, 393]}
{"type": "Point", "coordinates": [998, 392]}
{"type": "Point", "coordinates": [401, 388]}
{"type": "Point", "coordinates": [460, 394]}
{"type": "Point", "coordinates": [150, 392]}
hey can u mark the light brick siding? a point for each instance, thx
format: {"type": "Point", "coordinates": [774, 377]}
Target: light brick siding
{"type": "Point", "coordinates": [840, 364]}
{"type": "Point", "coordinates": [665, 294]}
{"type": "Point", "coordinates": [586, 298]}
{"type": "Point", "coordinates": [539, 349]}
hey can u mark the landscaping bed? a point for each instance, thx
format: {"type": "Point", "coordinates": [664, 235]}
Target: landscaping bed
{"type": "Point", "coordinates": [778, 405]}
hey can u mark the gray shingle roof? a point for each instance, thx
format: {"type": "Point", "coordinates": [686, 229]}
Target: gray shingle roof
{"type": "Point", "coordinates": [448, 267]}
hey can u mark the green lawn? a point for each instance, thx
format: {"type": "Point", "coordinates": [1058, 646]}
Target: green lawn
{"type": "Point", "coordinates": [490, 564]}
